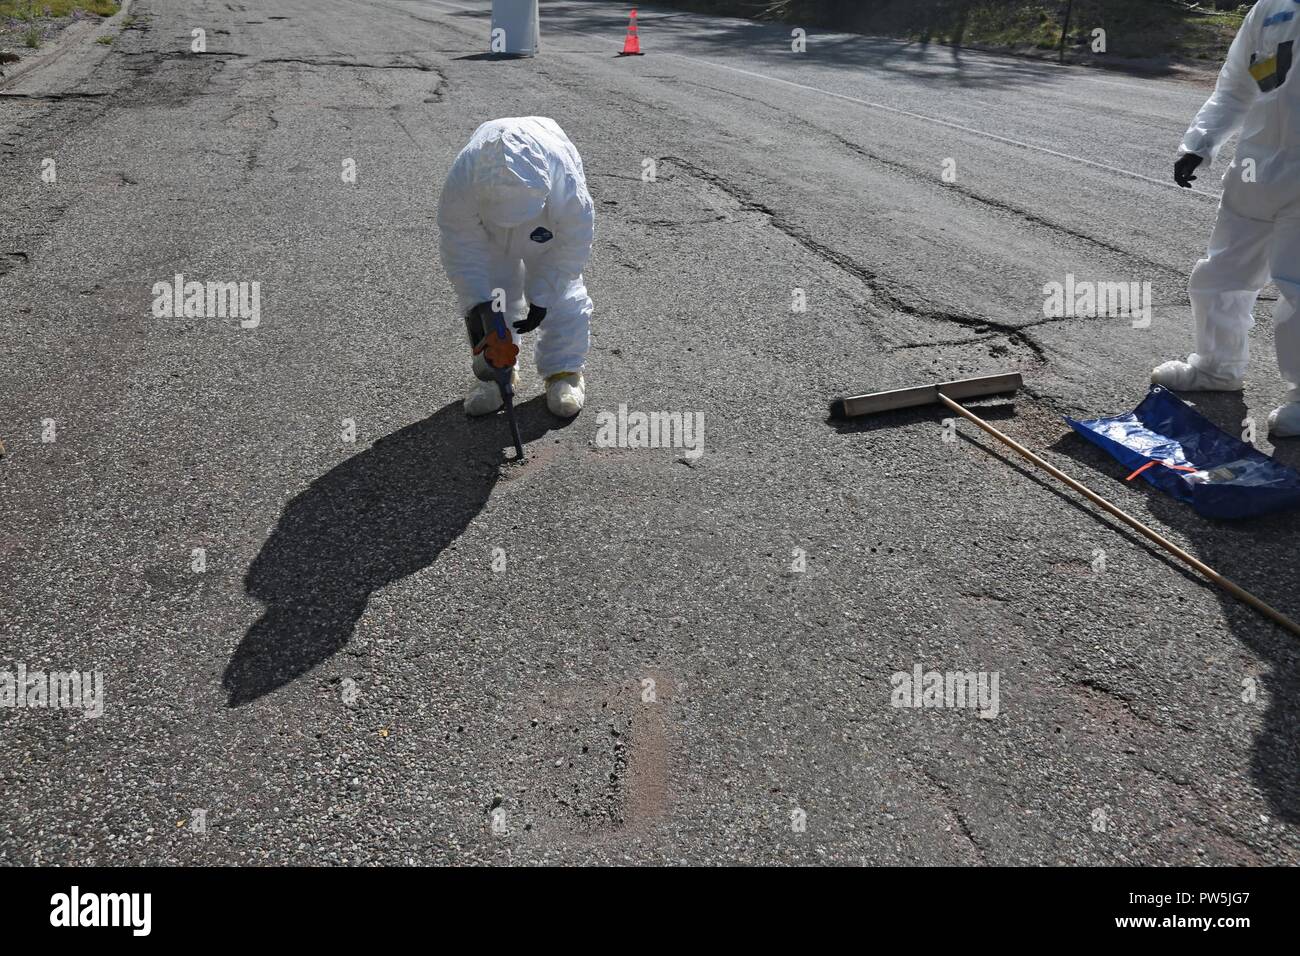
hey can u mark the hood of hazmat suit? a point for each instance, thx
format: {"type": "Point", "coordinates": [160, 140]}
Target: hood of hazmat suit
{"type": "Point", "coordinates": [516, 193]}
{"type": "Point", "coordinates": [511, 174]}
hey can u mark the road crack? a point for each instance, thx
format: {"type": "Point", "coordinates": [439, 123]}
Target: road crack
{"type": "Point", "coordinates": [985, 200]}
{"type": "Point", "coordinates": [950, 804]}
{"type": "Point", "coordinates": [354, 64]}
{"type": "Point", "coordinates": [883, 291]}
{"type": "Point", "coordinates": [51, 97]}
{"type": "Point", "coordinates": [998, 204]}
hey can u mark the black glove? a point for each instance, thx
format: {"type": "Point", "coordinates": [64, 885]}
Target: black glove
{"type": "Point", "coordinates": [535, 315]}
{"type": "Point", "coordinates": [1183, 169]}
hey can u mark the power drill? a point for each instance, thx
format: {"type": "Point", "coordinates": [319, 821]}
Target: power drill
{"type": "Point", "coordinates": [489, 338]}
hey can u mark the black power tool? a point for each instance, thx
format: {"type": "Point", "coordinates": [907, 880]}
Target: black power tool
{"type": "Point", "coordinates": [490, 339]}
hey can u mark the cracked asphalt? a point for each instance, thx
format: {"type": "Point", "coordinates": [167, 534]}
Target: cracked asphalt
{"type": "Point", "coordinates": [399, 648]}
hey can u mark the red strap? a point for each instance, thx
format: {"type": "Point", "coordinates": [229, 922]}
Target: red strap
{"type": "Point", "coordinates": [1167, 465]}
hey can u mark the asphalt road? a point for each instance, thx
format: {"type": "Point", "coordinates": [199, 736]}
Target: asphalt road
{"type": "Point", "coordinates": [649, 679]}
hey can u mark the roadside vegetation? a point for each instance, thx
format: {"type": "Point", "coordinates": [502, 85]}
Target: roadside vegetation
{"type": "Point", "coordinates": [30, 22]}
{"type": "Point", "coordinates": [1170, 30]}
{"type": "Point", "coordinates": [22, 9]}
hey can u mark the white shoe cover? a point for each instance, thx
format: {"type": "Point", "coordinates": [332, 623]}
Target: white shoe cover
{"type": "Point", "coordinates": [1284, 421]}
{"type": "Point", "coordinates": [566, 394]}
{"type": "Point", "coordinates": [485, 398]}
{"type": "Point", "coordinates": [1185, 377]}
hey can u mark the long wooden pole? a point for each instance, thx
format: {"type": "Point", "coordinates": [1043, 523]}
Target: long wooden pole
{"type": "Point", "coordinates": [1200, 566]}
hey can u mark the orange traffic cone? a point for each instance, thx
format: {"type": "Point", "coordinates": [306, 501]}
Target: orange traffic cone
{"type": "Point", "coordinates": [632, 45]}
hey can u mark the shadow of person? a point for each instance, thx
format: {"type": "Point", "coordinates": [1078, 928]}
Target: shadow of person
{"type": "Point", "coordinates": [1259, 555]}
{"type": "Point", "coordinates": [493, 57]}
{"type": "Point", "coordinates": [379, 516]}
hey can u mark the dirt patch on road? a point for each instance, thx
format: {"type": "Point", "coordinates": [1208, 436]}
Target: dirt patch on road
{"type": "Point", "coordinates": [594, 760]}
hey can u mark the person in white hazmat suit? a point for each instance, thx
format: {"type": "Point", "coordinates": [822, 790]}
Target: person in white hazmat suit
{"type": "Point", "coordinates": [516, 226]}
{"type": "Point", "coordinates": [1257, 236]}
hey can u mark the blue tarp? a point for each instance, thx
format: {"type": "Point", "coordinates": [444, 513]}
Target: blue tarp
{"type": "Point", "coordinates": [1218, 475]}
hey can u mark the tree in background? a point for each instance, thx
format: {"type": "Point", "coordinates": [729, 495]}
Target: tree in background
{"type": "Point", "coordinates": [1142, 29]}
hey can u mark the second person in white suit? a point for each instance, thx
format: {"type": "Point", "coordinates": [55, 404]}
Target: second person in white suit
{"type": "Point", "coordinates": [1257, 236]}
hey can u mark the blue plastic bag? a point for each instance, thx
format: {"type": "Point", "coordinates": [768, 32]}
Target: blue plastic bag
{"type": "Point", "coordinates": [1186, 456]}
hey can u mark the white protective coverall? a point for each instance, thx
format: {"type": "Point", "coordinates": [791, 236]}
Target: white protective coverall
{"type": "Point", "coordinates": [515, 215]}
{"type": "Point", "coordinates": [1257, 235]}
